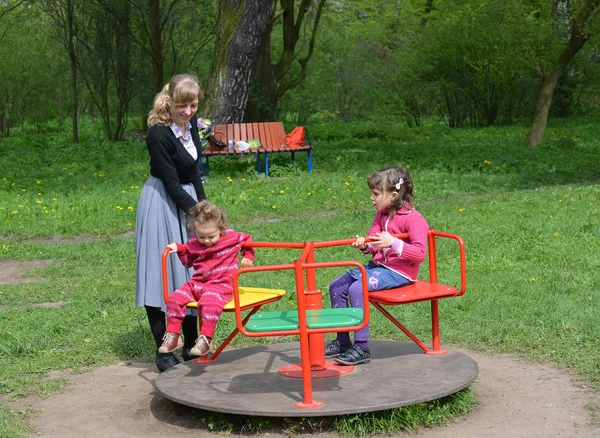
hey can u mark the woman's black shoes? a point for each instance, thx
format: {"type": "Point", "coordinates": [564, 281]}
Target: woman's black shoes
{"type": "Point", "coordinates": [164, 361]}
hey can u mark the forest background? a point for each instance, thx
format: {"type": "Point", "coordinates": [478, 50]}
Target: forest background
{"type": "Point", "coordinates": [466, 62]}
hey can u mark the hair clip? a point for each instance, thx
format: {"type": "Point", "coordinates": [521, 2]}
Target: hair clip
{"type": "Point", "coordinates": [399, 184]}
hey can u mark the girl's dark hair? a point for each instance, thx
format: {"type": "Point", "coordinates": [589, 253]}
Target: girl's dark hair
{"type": "Point", "coordinates": [204, 212]}
{"type": "Point", "coordinates": [394, 179]}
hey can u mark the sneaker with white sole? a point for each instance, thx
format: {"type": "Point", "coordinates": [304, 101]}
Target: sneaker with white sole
{"type": "Point", "coordinates": [202, 347]}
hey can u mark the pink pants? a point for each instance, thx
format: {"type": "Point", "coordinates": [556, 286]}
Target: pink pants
{"type": "Point", "coordinates": [210, 300]}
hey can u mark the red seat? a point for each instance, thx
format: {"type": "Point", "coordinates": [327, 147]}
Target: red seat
{"type": "Point", "coordinates": [424, 291]}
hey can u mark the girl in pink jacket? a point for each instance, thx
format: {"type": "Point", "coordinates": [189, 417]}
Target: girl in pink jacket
{"type": "Point", "coordinates": [213, 253]}
{"type": "Point", "coordinates": [395, 262]}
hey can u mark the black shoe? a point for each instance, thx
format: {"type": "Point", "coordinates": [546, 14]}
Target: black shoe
{"type": "Point", "coordinates": [164, 361]}
{"type": "Point", "coordinates": [334, 349]}
{"type": "Point", "coordinates": [187, 355]}
{"type": "Point", "coordinates": [354, 356]}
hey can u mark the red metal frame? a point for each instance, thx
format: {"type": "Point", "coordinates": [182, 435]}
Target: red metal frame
{"type": "Point", "coordinates": [312, 343]}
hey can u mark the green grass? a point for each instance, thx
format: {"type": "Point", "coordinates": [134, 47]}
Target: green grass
{"type": "Point", "coordinates": [530, 219]}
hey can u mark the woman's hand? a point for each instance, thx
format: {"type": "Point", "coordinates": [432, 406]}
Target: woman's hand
{"type": "Point", "coordinates": [246, 263]}
{"type": "Point", "coordinates": [172, 247]}
{"type": "Point", "coordinates": [359, 243]}
{"type": "Point", "coordinates": [382, 240]}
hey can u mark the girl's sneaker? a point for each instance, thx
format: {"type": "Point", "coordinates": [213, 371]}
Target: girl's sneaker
{"type": "Point", "coordinates": [334, 349]}
{"type": "Point", "coordinates": [202, 347]}
{"type": "Point", "coordinates": [171, 342]}
{"type": "Point", "coordinates": [354, 356]}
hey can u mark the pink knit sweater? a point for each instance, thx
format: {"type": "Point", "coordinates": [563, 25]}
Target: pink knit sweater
{"type": "Point", "coordinates": [217, 263]}
{"type": "Point", "coordinates": [405, 255]}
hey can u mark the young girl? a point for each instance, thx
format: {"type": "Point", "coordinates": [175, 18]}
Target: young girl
{"type": "Point", "coordinates": [213, 253]}
{"type": "Point", "coordinates": [395, 261]}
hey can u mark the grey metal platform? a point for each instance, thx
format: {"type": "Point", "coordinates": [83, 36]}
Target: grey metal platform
{"type": "Point", "coordinates": [246, 382]}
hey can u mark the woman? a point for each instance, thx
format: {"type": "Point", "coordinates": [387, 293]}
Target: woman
{"type": "Point", "coordinates": [174, 187]}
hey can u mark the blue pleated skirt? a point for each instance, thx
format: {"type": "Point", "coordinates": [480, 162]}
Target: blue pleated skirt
{"type": "Point", "coordinates": [158, 222]}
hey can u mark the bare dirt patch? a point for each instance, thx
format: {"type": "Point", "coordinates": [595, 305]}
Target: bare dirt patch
{"type": "Point", "coordinates": [12, 271]}
{"type": "Point", "coordinates": [516, 399]}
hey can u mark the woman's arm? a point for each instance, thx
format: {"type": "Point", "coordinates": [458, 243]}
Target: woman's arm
{"type": "Point", "coordinates": [161, 150]}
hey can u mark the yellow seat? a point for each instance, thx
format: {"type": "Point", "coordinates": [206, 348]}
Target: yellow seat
{"type": "Point", "coordinates": [250, 296]}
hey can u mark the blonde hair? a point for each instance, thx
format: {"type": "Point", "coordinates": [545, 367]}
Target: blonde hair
{"type": "Point", "coordinates": [394, 179]}
{"type": "Point", "coordinates": [204, 212]}
{"type": "Point", "coordinates": [182, 88]}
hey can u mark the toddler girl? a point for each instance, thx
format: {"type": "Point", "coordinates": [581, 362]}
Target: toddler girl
{"type": "Point", "coordinates": [213, 253]}
{"type": "Point", "coordinates": [395, 261]}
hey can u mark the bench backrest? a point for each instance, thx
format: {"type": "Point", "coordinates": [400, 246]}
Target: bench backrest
{"type": "Point", "coordinates": [271, 135]}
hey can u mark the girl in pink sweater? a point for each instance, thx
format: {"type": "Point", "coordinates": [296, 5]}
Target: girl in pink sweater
{"type": "Point", "coordinates": [213, 253]}
{"type": "Point", "coordinates": [395, 262]}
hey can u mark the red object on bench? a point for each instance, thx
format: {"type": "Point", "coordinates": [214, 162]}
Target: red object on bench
{"type": "Point", "coordinates": [423, 290]}
{"type": "Point", "coordinates": [272, 138]}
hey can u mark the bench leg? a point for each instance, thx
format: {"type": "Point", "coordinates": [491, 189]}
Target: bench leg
{"type": "Point", "coordinates": [309, 162]}
{"type": "Point", "coordinates": [266, 164]}
{"type": "Point", "coordinates": [293, 157]}
{"type": "Point", "coordinates": [258, 163]}
{"type": "Point", "coordinates": [206, 167]}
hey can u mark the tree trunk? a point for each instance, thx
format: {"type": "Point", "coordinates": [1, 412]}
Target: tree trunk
{"type": "Point", "coordinates": [579, 36]}
{"type": "Point", "coordinates": [273, 80]}
{"type": "Point", "coordinates": [233, 88]}
{"type": "Point", "coordinates": [157, 58]}
{"type": "Point", "coordinates": [540, 117]}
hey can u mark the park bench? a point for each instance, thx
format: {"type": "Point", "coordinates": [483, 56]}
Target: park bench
{"type": "Point", "coordinates": [271, 136]}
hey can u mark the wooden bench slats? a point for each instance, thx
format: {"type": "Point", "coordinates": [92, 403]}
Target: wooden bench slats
{"type": "Point", "coordinates": [271, 135]}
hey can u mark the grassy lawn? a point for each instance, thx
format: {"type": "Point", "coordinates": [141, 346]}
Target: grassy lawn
{"type": "Point", "coordinates": [530, 219]}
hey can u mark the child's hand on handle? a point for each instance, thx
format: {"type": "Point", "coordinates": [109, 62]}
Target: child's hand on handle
{"type": "Point", "coordinates": [359, 243]}
{"type": "Point", "coordinates": [246, 263]}
{"type": "Point", "coordinates": [382, 240]}
{"type": "Point", "coordinates": [172, 247]}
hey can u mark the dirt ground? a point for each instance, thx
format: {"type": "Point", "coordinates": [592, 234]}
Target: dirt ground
{"type": "Point", "coordinates": [515, 398]}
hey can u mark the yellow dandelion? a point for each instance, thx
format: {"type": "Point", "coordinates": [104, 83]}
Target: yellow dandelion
{"type": "Point", "coordinates": [487, 162]}
{"type": "Point", "coordinates": [347, 183]}
{"type": "Point", "coordinates": [555, 235]}
{"type": "Point", "coordinates": [273, 206]}
{"type": "Point", "coordinates": [567, 326]}
{"type": "Point", "coordinates": [38, 182]}
{"type": "Point", "coordinates": [461, 210]}
{"type": "Point", "coordinates": [54, 199]}
{"type": "Point", "coordinates": [130, 208]}
{"type": "Point", "coordinates": [39, 201]}
{"type": "Point", "coordinates": [560, 200]}
{"type": "Point", "coordinates": [282, 191]}
{"type": "Point", "coordinates": [20, 205]}
{"type": "Point", "coordinates": [23, 189]}
{"type": "Point", "coordinates": [532, 278]}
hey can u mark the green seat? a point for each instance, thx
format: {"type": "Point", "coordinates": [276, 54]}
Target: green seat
{"type": "Point", "coordinates": [322, 318]}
